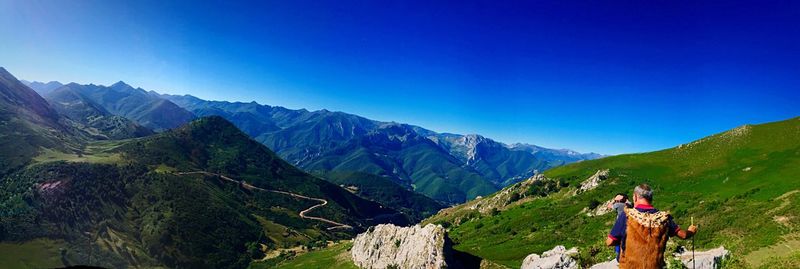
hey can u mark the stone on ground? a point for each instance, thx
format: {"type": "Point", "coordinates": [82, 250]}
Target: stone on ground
{"type": "Point", "coordinates": [556, 258]}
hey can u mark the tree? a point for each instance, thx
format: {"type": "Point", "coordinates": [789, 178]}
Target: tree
{"type": "Point", "coordinates": [254, 250]}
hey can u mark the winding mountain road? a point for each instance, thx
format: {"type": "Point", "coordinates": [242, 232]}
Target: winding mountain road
{"type": "Point", "coordinates": [302, 214]}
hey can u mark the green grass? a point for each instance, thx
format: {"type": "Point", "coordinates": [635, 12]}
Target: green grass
{"type": "Point", "coordinates": [38, 253]}
{"type": "Point", "coordinates": [336, 256]}
{"type": "Point", "coordinates": [95, 152]}
{"type": "Point", "coordinates": [792, 261]}
{"type": "Point", "coordinates": [734, 184]}
{"type": "Point", "coordinates": [785, 249]}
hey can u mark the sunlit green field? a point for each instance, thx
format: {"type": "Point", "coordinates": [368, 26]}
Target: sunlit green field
{"type": "Point", "coordinates": [336, 256]}
{"type": "Point", "coordinates": [39, 253]}
{"type": "Point", "coordinates": [95, 152]}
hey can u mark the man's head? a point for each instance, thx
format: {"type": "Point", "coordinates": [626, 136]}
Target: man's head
{"type": "Point", "coordinates": [621, 197]}
{"type": "Point", "coordinates": [643, 191]}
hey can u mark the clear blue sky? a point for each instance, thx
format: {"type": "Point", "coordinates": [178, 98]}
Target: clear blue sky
{"type": "Point", "coordinates": [626, 76]}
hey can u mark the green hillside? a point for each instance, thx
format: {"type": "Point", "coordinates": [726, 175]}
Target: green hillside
{"type": "Point", "coordinates": [741, 187]}
{"type": "Point", "coordinates": [121, 204]}
{"type": "Point", "coordinates": [213, 144]}
{"type": "Point", "coordinates": [28, 124]}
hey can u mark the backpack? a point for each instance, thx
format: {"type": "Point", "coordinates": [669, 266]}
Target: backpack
{"type": "Point", "coordinates": [645, 240]}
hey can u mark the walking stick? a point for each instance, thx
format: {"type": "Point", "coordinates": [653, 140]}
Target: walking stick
{"type": "Point", "coordinates": [693, 246]}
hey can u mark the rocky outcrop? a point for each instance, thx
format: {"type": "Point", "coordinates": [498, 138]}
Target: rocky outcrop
{"type": "Point", "coordinates": [556, 258]}
{"type": "Point", "coordinates": [390, 246]}
{"type": "Point", "coordinates": [502, 198]}
{"type": "Point", "coordinates": [601, 209]}
{"type": "Point", "coordinates": [594, 180]}
{"type": "Point", "coordinates": [709, 259]}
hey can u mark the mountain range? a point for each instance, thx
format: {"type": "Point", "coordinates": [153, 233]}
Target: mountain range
{"type": "Point", "coordinates": [201, 195]}
{"type": "Point", "coordinates": [450, 168]}
{"type": "Point", "coordinates": [71, 102]}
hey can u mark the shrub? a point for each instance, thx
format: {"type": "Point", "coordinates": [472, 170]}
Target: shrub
{"type": "Point", "coordinates": [593, 204]}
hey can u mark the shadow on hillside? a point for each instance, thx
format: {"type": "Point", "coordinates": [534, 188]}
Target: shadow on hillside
{"type": "Point", "coordinates": [458, 259]}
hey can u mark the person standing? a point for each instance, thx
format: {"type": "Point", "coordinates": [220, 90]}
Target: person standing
{"type": "Point", "coordinates": [642, 232]}
{"type": "Point", "coordinates": [619, 204]}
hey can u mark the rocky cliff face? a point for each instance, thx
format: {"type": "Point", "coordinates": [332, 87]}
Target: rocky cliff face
{"type": "Point", "coordinates": [390, 246]}
{"type": "Point", "coordinates": [556, 258]}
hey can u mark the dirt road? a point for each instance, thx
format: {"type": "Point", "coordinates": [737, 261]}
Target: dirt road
{"type": "Point", "coordinates": [322, 202]}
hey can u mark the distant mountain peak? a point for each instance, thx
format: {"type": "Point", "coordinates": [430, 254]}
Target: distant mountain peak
{"type": "Point", "coordinates": [121, 85]}
{"type": "Point", "coordinates": [42, 88]}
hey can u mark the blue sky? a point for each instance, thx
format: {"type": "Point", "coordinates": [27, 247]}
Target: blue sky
{"type": "Point", "coordinates": [627, 76]}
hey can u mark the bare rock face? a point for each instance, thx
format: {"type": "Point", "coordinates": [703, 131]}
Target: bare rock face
{"type": "Point", "coordinates": [387, 245]}
{"type": "Point", "coordinates": [556, 258]}
{"type": "Point", "coordinates": [709, 259]}
{"type": "Point", "coordinates": [594, 180]}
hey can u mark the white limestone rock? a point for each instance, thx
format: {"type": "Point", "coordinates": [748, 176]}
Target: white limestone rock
{"type": "Point", "coordinates": [612, 264]}
{"type": "Point", "coordinates": [388, 245]}
{"type": "Point", "coordinates": [556, 258]}
{"type": "Point", "coordinates": [709, 259]}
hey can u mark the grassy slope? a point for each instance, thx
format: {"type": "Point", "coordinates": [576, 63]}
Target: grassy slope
{"type": "Point", "coordinates": [336, 256]}
{"type": "Point", "coordinates": [730, 183]}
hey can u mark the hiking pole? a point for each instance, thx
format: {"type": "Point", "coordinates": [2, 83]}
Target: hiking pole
{"type": "Point", "coordinates": [693, 262]}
